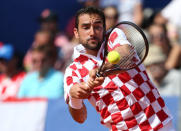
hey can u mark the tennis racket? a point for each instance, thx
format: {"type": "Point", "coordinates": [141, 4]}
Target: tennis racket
{"type": "Point", "coordinates": [136, 50]}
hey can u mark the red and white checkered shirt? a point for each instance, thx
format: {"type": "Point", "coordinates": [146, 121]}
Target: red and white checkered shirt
{"type": "Point", "coordinates": [9, 87]}
{"type": "Point", "coordinates": [126, 101]}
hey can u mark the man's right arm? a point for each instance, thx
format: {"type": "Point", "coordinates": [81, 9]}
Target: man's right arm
{"type": "Point", "coordinates": [79, 115]}
{"type": "Point", "coordinates": [77, 108]}
{"type": "Point", "coordinates": [81, 91]}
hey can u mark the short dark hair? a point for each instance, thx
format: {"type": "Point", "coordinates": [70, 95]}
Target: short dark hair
{"type": "Point", "coordinates": [113, 7]}
{"type": "Point", "coordinates": [89, 10]}
{"type": "Point", "coordinates": [48, 50]}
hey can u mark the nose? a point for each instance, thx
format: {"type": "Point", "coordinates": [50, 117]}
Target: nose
{"type": "Point", "coordinates": [92, 31]}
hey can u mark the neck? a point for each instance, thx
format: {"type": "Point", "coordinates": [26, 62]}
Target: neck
{"type": "Point", "coordinates": [92, 52]}
{"type": "Point", "coordinates": [43, 72]}
{"type": "Point", "coordinates": [11, 73]}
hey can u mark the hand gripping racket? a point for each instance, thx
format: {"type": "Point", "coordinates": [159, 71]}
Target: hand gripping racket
{"type": "Point", "coordinates": [136, 50]}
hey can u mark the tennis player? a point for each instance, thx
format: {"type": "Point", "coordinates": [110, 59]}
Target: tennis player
{"type": "Point", "coordinates": [125, 100]}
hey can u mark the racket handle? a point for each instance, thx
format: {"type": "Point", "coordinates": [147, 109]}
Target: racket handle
{"type": "Point", "coordinates": [98, 74]}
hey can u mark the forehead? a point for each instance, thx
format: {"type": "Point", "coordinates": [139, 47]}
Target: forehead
{"type": "Point", "coordinates": [42, 33]}
{"type": "Point", "coordinates": [37, 54]}
{"type": "Point", "coordinates": [110, 11]}
{"type": "Point", "coordinates": [156, 28]}
{"type": "Point", "coordinates": [89, 18]}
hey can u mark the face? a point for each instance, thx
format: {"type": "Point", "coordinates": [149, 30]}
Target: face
{"type": "Point", "coordinates": [3, 66]}
{"type": "Point", "coordinates": [7, 66]}
{"type": "Point", "coordinates": [39, 61]}
{"type": "Point", "coordinates": [157, 71]}
{"type": "Point", "coordinates": [157, 35]}
{"type": "Point", "coordinates": [50, 26]}
{"type": "Point", "coordinates": [90, 31]}
{"type": "Point", "coordinates": [110, 15]}
{"type": "Point", "coordinates": [91, 3]}
{"type": "Point", "coordinates": [42, 38]}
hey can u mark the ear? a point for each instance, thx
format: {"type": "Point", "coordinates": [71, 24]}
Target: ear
{"type": "Point", "coordinates": [76, 33]}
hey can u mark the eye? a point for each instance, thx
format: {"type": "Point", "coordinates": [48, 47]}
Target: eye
{"type": "Point", "coordinates": [98, 27]}
{"type": "Point", "coordinates": [85, 27]}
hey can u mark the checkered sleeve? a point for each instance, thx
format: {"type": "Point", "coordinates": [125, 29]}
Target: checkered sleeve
{"type": "Point", "coordinates": [116, 39]}
{"type": "Point", "coordinates": [71, 78]}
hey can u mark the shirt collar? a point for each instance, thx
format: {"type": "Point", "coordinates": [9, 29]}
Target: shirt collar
{"type": "Point", "coordinates": [80, 50]}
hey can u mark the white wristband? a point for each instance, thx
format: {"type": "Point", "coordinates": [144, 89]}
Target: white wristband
{"type": "Point", "coordinates": [76, 103]}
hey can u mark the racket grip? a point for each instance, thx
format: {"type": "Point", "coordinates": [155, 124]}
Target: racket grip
{"type": "Point", "coordinates": [98, 74]}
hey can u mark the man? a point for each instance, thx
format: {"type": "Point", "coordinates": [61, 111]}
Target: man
{"type": "Point", "coordinates": [126, 100]}
{"type": "Point", "coordinates": [49, 21]}
{"type": "Point", "coordinates": [11, 71]}
{"type": "Point", "coordinates": [111, 15]}
{"type": "Point", "coordinates": [42, 37]}
{"type": "Point", "coordinates": [167, 81]}
{"type": "Point", "coordinates": [44, 81]}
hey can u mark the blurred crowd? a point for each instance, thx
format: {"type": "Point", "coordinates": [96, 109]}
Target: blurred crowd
{"type": "Point", "coordinates": [40, 72]}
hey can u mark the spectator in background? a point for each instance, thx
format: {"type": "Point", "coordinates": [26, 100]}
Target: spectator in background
{"type": "Point", "coordinates": [111, 15]}
{"type": "Point", "coordinates": [49, 21]}
{"type": "Point", "coordinates": [41, 37]}
{"type": "Point", "coordinates": [87, 3]}
{"type": "Point", "coordinates": [174, 33]}
{"type": "Point", "coordinates": [172, 16]}
{"type": "Point", "coordinates": [158, 36]}
{"type": "Point", "coordinates": [131, 10]}
{"type": "Point", "coordinates": [105, 3]}
{"type": "Point", "coordinates": [65, 52]}
{"type": "Point", "coordinates": [45, 81]}
{"type": "Point", "coordinates": [11, 71]}
{"type": "Point", "coordinates": [167, 81]}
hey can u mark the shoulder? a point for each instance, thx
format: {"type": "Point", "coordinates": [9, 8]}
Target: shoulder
{"type": "Point", "coordinates": [2, 76]}
{"type": "Point", "coordinates": [56, 73]}
{"type": "Point", "coordinates": [29, 80]}
{"type": "Point", "coordinates": [72, 73]}
{"type": "Point", "coordinates": [31, 75]}
{"type": "Point", "coordinates": [117, 33]}
{"type": "Point", "coordinates": [22, 74]}
{"type": "Point", "coordinates": [72, 67]}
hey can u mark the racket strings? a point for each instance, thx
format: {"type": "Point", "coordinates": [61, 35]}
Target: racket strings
{"type": "Point", "coordinates": [125, 62]}
{"type": "Point", "coordinates": [130, 57]}
{"type": "Point", "coordinates": [137, 54]}
{"type": "Point", "coordinates": [136, 40]}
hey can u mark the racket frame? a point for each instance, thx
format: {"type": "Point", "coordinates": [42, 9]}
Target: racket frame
{"type": "Point", "coordinates": [106, 50]}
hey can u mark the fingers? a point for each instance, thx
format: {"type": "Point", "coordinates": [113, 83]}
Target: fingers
{"type": "Point", "coordinates": [99, 79]}
{"type": "Point", "coordinates": [86, 88]}
{"type": "Point", "coordinates": [81, 94]}
{"type": "Point", "coordinates": [92, 74]}
{"type": "Point", "coordinates": [83, 90]}
{"type": "Point", "coordinates": [96, 82]}
{"type": "Point", "coordinates": [107, 66]}
{"type": "Point", "coordinates": [79, 91]}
